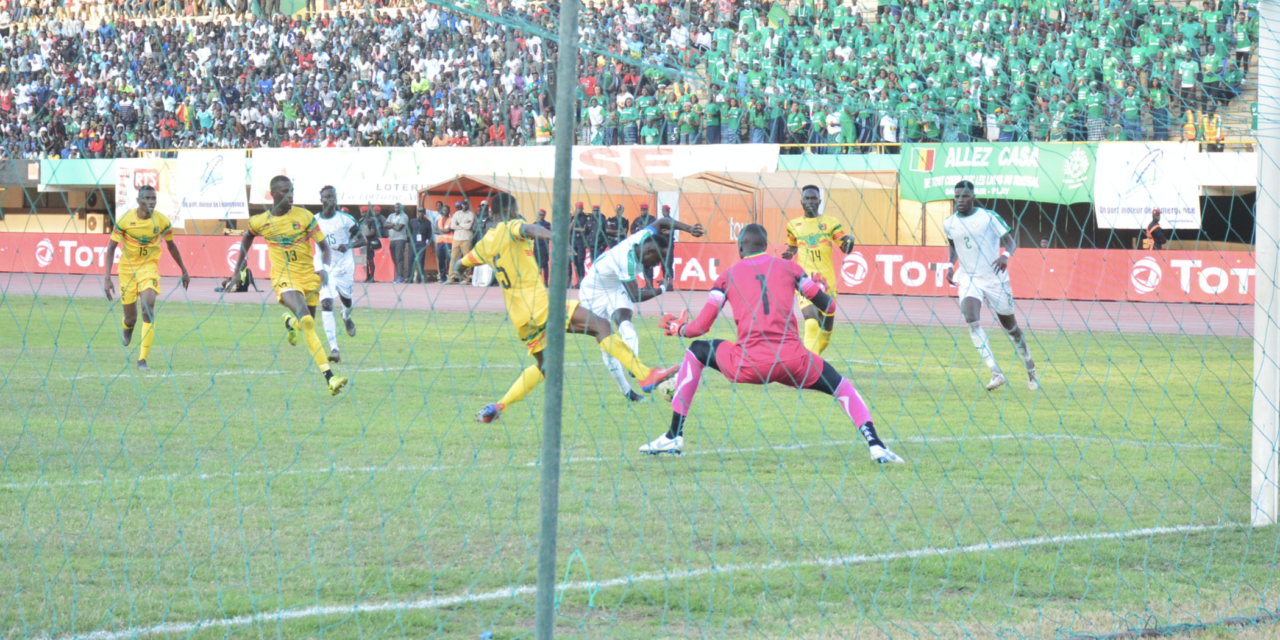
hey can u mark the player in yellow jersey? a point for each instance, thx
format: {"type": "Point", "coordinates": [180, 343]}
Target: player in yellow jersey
{"type": "Point", "coordinates": [508, 248]}
{"type": "Point", "coordinates": [810, 239]}
{"type": "Point", "coordinates": [140, 230]}
{"type": "Point", "coordinates": [289, 231]}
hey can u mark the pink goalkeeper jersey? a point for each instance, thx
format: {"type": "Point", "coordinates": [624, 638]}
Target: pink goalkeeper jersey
{"type": "Point", "coordinates": [762, 290]}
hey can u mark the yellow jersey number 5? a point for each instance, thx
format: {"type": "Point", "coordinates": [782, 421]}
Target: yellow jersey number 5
{"type": "Point", "coordinates": [500, 273]}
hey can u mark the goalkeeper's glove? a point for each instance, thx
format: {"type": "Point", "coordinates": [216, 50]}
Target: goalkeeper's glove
{"type": "Point", "coordinates": [822, 282]}
{"type": "Point", "coordinates": [673, 326]}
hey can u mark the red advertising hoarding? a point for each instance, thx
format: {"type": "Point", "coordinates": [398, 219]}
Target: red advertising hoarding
{"type": "Point", "coordinates": [1146, 276]}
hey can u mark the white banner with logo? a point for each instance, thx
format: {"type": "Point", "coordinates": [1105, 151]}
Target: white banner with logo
{"type": "Point", "coordinates": [134, 173]}
{"type": "Point", "coordinates": [1134, 178]}
{"type": "Point", "coordinates": [387, 176]}
{"type": "Point", "coordinates": [675, 162]}
{"type": "Point", "coordinates": [211, 185]}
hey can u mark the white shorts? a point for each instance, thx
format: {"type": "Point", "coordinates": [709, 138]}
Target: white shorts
{"type": "Point", "coordinates": [602, 298]}
{"type": "Point", "coordinates": [341, 281]}
{"type": "Point", "coordinates": [995, 292]}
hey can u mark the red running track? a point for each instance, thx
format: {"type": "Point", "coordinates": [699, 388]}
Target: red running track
{"type": "Point", "coordinates": [1128, 317]}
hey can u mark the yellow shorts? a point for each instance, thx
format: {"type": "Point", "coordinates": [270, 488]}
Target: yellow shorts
{"type": "Point", "coordinates": [132, 286]}
{"type": "Point", "coordinates": [308, 286]}
{"type": "Point", "coordinates": [531, 323]}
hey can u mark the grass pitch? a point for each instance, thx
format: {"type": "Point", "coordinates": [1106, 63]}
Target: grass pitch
{"type": "Point", "coordinates": [227, 495]}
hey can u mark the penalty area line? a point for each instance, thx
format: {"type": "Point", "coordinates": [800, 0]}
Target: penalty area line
{"type": "Point", "coordinates": [592, 586]}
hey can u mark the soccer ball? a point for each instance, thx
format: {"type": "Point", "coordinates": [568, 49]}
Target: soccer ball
{"type": "Point", "coordinates": [668, 387]}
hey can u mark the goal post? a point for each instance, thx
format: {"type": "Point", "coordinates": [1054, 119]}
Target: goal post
{"type": "Point", "coordinates": [1266, 331]}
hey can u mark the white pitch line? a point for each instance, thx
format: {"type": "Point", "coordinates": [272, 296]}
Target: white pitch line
{"type": "Point", "coordinates": [273, 372]}
{"type": "Point", "coordinates": [284, 615]}
{"type": "Point", "coordinates": [167, 477]}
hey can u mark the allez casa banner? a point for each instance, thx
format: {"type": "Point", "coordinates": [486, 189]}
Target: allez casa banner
{"type": "Point", "coordinates": [1044, 172]}
{"type": "Point", "coordinates": [1049, 274]}
{"type": "Point", "coordinates": [1134, 178]}
{"type": "Point", "coordinates": [211, 185]}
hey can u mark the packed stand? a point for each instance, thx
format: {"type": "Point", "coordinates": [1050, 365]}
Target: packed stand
{"type": "Point", "coordinates": [427, 77]}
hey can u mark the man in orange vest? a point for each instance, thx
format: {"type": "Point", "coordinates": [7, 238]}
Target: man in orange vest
{"type": "Point", "coordinates": [1155, 239]}
{"type": "Point", "coordinates": [1211, 129]}
{"type": "Point", "coordinates": [1190, 126]}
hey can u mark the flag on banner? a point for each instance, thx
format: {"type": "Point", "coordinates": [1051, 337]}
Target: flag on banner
{"type": "Point", "coordinates": [923, 160]}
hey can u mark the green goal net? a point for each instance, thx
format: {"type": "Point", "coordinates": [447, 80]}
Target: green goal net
{"type": "Point", "coordinates": [225, 492]}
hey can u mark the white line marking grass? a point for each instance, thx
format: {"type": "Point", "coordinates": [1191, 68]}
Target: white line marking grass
{"type": "Point", "coordinates": [284, 615]}
{"type": "Point", "coordinates": [125, 478]}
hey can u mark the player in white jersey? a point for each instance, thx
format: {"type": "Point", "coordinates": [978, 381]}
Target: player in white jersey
{"type": "Point", "coordinates": [343, 235]}
{"type": "Point", "coordinates": [609, 287]}
{"type": "Point", "coordinates": [982, 243]}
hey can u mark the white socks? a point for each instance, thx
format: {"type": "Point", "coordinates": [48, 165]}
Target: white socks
{"type": "Point", "coordinates": [629, 337]}
{"type": "Point", "coordinates": [980, 342]}
{"type": "Point", "coordinates": [330, 329]}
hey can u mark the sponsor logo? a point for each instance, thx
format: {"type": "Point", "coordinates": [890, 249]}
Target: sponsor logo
{"type": "Point", "coordinates": [233, 254]}
{"type": "Point", "coordinates": [853, 270]}
{"type": "Point", "coordinates": [44, 253]}
{"type": "Point", "coordinates": [1146, 275]}
{"type": "Point", "coordinates": [1075, 172]}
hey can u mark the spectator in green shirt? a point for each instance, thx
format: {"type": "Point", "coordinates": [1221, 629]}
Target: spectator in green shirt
{"type": "Point", "coordinates": [611, 124]}
{"type": "Point", "coordinates": [796, 125]}
{"type": "Point", "coordinates": [759, 121]}
{"type": "Point", "coordinates": [627, 118]}
{"type": "Point", "coordinates": [1131, 115]}
{"type": "Point", "coordinates": [731, 125]}
{"type": "Point", "coordinates": [671, 109]}
{"type": "Point", "coordinates": [650, 134]}
{"type": "Point", "coordinates": [1158, 102]}
{"type": "Point", "coordinates": [690, 124]}
{"type": "Point", "coordinates": [712, 122]}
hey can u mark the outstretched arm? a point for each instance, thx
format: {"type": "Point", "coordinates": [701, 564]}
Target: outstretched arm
{"type": "Point", "coordinates": [636, 294]}
{"type": "Point", "coordinates": [534, 232]}
{"type": "Point", "coordinates": [359, 241]}
{"type": "Point", "coordinates": [665, 226]}
{"type": "Point", "coordinates": [681, 326]}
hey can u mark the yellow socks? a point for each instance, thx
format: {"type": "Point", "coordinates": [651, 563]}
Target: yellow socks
{"type": "Point", "coordinates": [811, 331]}
{"type": "Point", "coordinates": [526, 383]}
{"type": "Point", "coordinates": [148, 337]}
{"type": "Point", "coordinates": [313, 343]}
{"type": "Point", "coordinates": [824, 340]}
{"type": "Point", "coordinates": [618, 349]}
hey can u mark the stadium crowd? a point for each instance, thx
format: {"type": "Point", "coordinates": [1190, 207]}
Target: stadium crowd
{"type": "Point", "coordinates": [101, 84]}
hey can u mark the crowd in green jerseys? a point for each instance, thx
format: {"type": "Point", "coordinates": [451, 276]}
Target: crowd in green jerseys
{"type": "Point", "coordinates": [930, 71]}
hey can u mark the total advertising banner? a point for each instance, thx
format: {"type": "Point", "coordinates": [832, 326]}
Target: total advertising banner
{"type": "Point", "coordinates": [211, 185]}
{"type": "Point", "coordinates": [204, 256]}
{"type": "Point", "coordinates": [1044, 172]}
{"type": "Point", "coordinates": [1134, 178]}
{"type": "Point", "coordinates": [134, 173]}
{"type": "Point", "coordinates": [1050, 274]}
